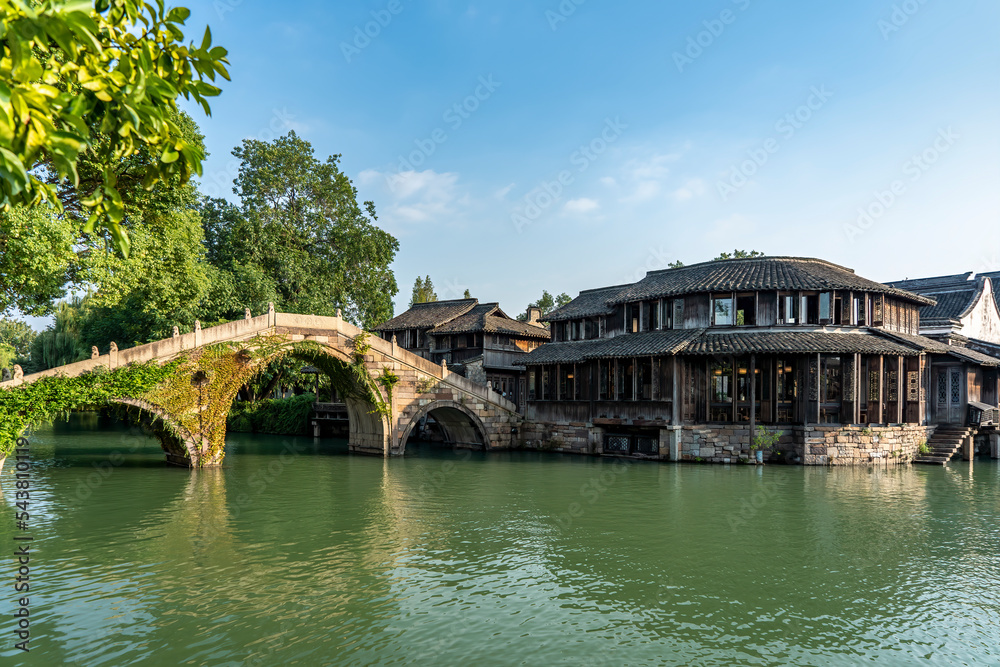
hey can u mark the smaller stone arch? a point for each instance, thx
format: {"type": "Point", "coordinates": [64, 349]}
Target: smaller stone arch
{"type": "Point", "coordinates": [461, 425]}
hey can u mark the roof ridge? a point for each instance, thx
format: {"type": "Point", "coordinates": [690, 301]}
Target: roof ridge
{"type": "Point", "coordinates": [815, 260]}
{"type": "Point", "coordinates": [447, 301]}
{"type": "Point", "coordinates": [602, 289]}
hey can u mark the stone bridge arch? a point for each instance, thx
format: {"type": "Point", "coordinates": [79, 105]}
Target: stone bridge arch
{"type": "Point", "coordinates": [462, 427]}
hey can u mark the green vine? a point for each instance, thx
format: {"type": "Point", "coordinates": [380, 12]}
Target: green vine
{"type": "Point", "coordinates": [388, 380]}
{"type": "Point", "coordinates": [361, 347]}
{"type": "Point", "coordinates": [196, 389]}
{"type": "Point", "coordinates": [29, 406]}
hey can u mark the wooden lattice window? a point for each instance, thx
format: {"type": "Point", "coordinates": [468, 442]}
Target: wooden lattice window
{"type": "Point", "coordinates": [849, 379]}
{"type": "Point", "coordinates": [646, 445]}
{"type": "Point", "coordinates": [913, 386]}
{"type": "Point", "coordinates": [616, 443]}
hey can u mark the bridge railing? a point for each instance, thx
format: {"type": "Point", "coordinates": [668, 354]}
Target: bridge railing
{"type": "Point", "coordinates": [486, 393]}
{"type": "Point", "coordinates": [168, 348]}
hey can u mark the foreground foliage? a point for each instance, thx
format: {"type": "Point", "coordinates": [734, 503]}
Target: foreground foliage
{"type": "Point", "coordinates": [43, 401]}
{"type": "Point", "coordinates": [100, 77]}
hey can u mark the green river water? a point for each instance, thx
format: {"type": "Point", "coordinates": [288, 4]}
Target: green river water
{"type": "Point", "coordinates": [299, 553]}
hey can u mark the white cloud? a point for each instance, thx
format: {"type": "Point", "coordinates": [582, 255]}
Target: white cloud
{"type": "Point", "coordinates": [692, 188]}
{"type": "Point", "coordinates": [582, 205]}
{"type": "Point", "coordinates": [645, 178]}
{"type": "Point", "coordinates": [414, 196]}
{"type": "Point", "coordinates": [655, 168]}
{"type": "Point", "coordinates": [503, 192]}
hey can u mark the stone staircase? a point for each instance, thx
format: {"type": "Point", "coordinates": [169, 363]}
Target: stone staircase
{"type": "Point", "coordinates": [945, 443]}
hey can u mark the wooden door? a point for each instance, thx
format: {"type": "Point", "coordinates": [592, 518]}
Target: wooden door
{"type": "Point", "coordinates": [949, 394]}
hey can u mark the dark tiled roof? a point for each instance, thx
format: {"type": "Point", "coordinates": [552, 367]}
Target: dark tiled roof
{"type": "Point", "coordinates": [795, 342]}
{"type": "Point", "coordinates": [650, 343]}
{"type": "Point", "coordinates": [488, 318]}
{"type": "Point", "coordinates": [509, 327]}
{"type": "Point", "coordinates": [937, 347]}
{"type": "Point", "coordinates": [590, 303]}
{"type": "Point", "coordinates": [563, 353]}
{"type": "Point", "coordinates": [426, 315]}
{"type": "Point", "coordinates": [956, 295]}
{"type": "Point", "coordinates": [923, 285]}
{"type": "Point", "coordinates": [702, 342]}
{"type": "Point", "coordinates": [950, 305]}
{"type": "Point", "coordinates": [761, 273]}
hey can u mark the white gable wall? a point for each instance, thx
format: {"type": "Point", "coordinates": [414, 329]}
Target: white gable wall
{"type": "Point", "coordinates": [983, 321]}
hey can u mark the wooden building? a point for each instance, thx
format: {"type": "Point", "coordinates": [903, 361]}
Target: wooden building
{"type": "Point", "coordinates": [688, 362]}
{"type": "Point", "coordinates": [477, 340]}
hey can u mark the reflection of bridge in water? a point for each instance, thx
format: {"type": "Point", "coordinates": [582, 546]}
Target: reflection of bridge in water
{"type": "Point", "coordinates": [381, 418]}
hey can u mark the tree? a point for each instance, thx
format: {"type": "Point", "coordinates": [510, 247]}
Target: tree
{"type": "Point", "coordinates": [423, 291]}
{"type": "Point", "coordinates": [37, 259]}
{"type": "Point", "coordinates": [7, 356]}
{"type": "Point", "coordinates": [547, 303]}
{"type": "Point", "coordinates": [100, 78]}
{"type": "Point", "coordinates": [300, 235]}
{"type": "Point", "coordinates": [61, 343]}
{"type": "Point", "coordinates": [467, 294]}
{"type": "Point", "coordinates": [738, 254]}
{"type": "Point", "coordinates": [162, 283]}
{"type": "Point", "coordinates": [17, 335]}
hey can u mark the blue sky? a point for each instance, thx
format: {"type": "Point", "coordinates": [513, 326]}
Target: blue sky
{"type": "Point", "coordinates": [594, 141]}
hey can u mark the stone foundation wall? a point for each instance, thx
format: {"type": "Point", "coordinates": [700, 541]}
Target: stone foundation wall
{"type": "Point", "coordinates": [729, 443]}
{"type": "Point", "coordinates": [809, 445]}
{"type": "Point", "coordinates": [572, 437]}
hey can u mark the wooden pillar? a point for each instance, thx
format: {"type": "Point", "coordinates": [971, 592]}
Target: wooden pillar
{"type": "Point", "coordinates": [614, 379]}
{"type": "Point", "coordinates": [774, 386]}
{"type": "Point", "coordinates": [857, 380]}
{"type": "Point", "coordinates": [733, 384]}
{"type": "Point", "coordinates": [635, 375]}
{"type": "Point", "coordinates": [654, 379]}
{"type": "Point", "coordinates": [753, 395]}
{"type": "Point", "coordinates": [557, 384]}
{"type": "Point", "coordinates": [675, 407]}
{"type": "Point", "coordinates": [819, 388]}
{"type": "Point", "coordinates": [900, 390]}
{"type": "Point", "coordinates": [707, 387]}
{"type": "Point", "coordinates": [881, 389]}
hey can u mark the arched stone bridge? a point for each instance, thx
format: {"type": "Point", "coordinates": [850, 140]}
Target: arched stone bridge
{"type": "Point", "coordinates": [383, 414]}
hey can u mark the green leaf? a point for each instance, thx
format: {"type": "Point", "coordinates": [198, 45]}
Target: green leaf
{"type": "Point", "coordinates": [178, 15]}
